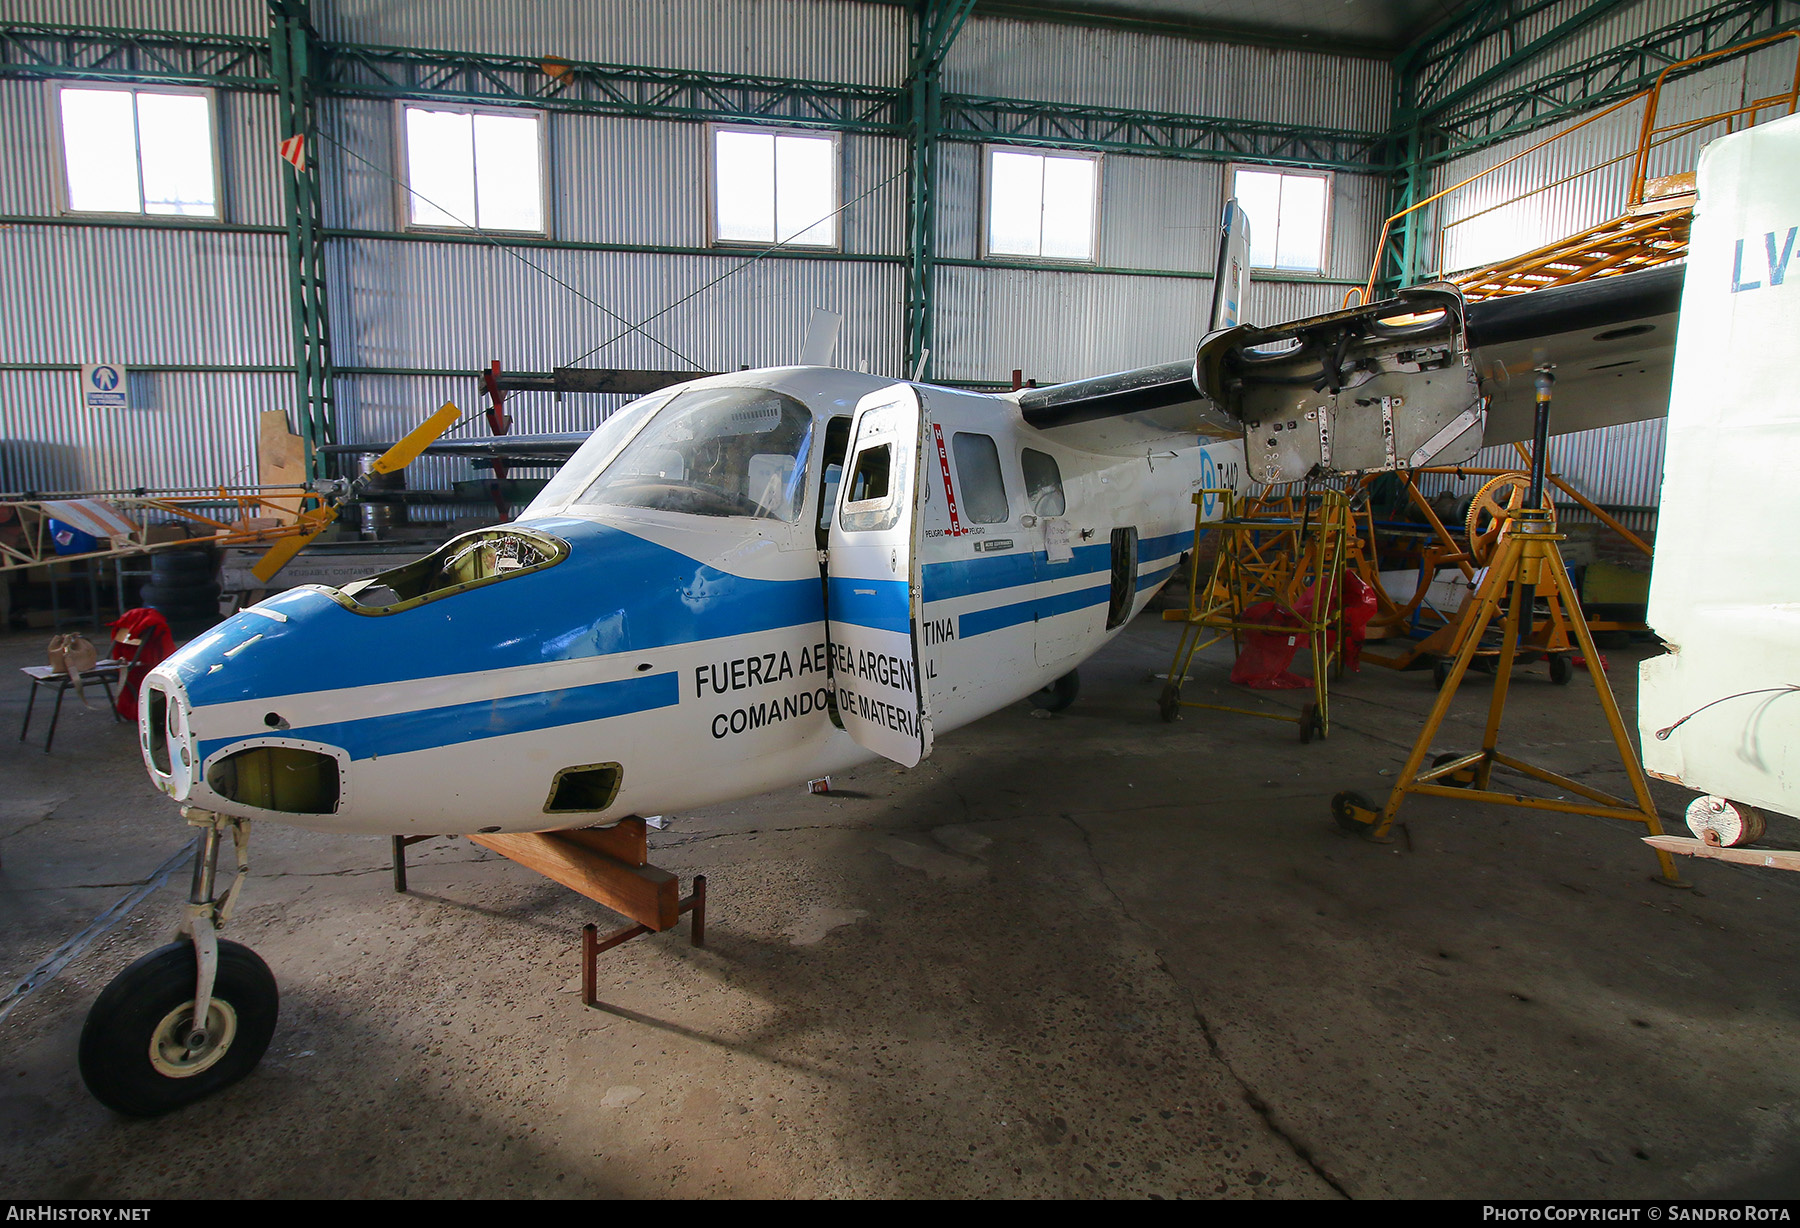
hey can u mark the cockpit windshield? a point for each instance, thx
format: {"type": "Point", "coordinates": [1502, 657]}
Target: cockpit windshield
{"type": "Point", "coordinates": [714, 452]}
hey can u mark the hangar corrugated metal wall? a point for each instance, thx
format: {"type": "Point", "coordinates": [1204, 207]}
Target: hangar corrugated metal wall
{"type": "Point", "coordinates": [200, 310]}
{"type": "Point", "coordinates": [1583, 179]}
{"type": "Point", "coordinates": [1579, 181]}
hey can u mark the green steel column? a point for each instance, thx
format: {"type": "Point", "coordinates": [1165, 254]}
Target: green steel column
{"type": "Point", "coordinates": [1399, 259]}
{"type": "Point", "coordinates": [292, 54]}
{"type": "Point", "coordinates": [1415, 185]}
{"type": "Point", "coordinates": [922, 237]}
{"type": "Point", "coordinates": [938, 23]}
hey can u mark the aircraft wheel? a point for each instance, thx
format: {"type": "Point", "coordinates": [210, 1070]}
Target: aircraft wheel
{"type": "Point", "coordinates": [1560, 669]}
{"type": "Point", "coordinates": [1169, 703]}
{"type": "Point", "coordinates": [1344, 807]}
{"type": "Point", "coordinates": [138, 1054]}
{"type": "Point", "coordinates": [1059, 694]}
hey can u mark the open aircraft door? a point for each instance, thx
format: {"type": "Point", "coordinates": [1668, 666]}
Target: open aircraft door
{"type": "Point", "coordinates": [873, 579]}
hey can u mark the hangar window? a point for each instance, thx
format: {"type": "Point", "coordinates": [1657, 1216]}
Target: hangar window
{"type": "Point", "coordinates": [1041, 204]}
{"type": "Point", "coordinates": [774, 187]}
{"type": "Point", "coordinates": [131, 150]}
{"type": "Point", "coordinates": [470, 169]}
{"type": "Point", "coordinates": [1290, 216]}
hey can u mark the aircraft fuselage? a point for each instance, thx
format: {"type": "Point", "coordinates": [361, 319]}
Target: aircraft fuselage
{"type": "Point", "coordinates": [667, 647]}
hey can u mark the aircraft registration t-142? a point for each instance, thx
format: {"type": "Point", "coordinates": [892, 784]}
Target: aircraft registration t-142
{"type": "Point", "coordinates": [735, 584]}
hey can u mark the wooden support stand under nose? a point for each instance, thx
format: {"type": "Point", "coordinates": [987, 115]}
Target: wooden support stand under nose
{"type": "Point", "coordinates": [609, 865]}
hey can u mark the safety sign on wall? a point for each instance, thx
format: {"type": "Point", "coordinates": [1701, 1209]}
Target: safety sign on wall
{"type": "Point", "coordinates": [103, 386]}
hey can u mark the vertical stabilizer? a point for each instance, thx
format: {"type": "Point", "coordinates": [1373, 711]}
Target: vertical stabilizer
{"type": "Point", "coordinates": [1231, 275]}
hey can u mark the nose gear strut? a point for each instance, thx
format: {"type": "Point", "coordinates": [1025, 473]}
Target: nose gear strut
{"type": "Point", "coordinates": [192, 1016]}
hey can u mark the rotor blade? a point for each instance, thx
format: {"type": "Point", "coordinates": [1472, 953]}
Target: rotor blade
{"type": "Point", "coordinates": [283, 551]}
{"type": "Point", "coordinates": [421, 437]}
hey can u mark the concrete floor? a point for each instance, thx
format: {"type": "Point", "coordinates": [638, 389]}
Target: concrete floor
{"type": "Point", "coordinates": [1094, 955]}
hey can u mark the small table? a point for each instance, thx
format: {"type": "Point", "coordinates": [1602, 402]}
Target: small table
{"type": "Point", "coordinates": [104, 672]}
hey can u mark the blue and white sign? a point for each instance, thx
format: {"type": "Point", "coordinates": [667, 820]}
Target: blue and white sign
{"type": "Point", "coordinates": [103, 386]}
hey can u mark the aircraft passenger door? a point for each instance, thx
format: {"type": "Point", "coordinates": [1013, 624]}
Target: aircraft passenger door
{"type": "Point", "coordinates": [873, 579]}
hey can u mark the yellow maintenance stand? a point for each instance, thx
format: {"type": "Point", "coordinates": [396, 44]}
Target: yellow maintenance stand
{"type": "Point", "coordinates": [1528, 559]}
{"type": "Point", "coordinates": [1272, 558]}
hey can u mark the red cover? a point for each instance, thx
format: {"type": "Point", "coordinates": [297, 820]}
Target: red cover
{"type": "Point", "coordinates": [1263, 664]}
{"type": "Point", "coordinates": [142, 637]}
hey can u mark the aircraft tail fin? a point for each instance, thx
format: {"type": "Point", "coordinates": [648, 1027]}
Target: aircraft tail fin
{"type": "Point", "coordinates": [1231, 274]}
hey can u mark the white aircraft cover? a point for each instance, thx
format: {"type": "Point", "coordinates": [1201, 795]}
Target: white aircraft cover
{"type": "Point", "coordinates": [1725, 592]}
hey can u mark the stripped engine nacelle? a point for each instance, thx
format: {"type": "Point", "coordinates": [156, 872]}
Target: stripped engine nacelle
{"type": "Point", "coordinates": [1363, 390]}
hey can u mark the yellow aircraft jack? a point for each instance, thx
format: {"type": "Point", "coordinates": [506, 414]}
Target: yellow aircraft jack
{"type": "Point", "coordinates": [1527, 559]}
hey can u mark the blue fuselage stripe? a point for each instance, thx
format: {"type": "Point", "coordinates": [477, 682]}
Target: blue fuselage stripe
{"type": "Point", "coordinates": [426, 728]}
{"type": "Point", "coordinates": [881, 604]}
{"type": "Point", "coordinates": [615, 593]}
{"type": "Point", "coordinates": [967, 577]}
{"type": "Point", "coordinates": [1150, 579]}
{"type": "Point", "coordinates": [1152, 548]}
{"type": "Point", "coordinates": [977, 622]}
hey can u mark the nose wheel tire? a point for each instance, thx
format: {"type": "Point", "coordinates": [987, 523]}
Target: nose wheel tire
{"type": "Point", "coordinates": [141, 1054]}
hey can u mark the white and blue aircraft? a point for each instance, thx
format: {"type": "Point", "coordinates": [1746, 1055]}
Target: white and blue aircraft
{"type": "Point", "coordinates": [739, 583]}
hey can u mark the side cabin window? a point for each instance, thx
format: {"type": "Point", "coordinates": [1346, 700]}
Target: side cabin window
{"type": "Point", "coordinates": [831, 464]}
{"type": "Point", "coordinates": [1043, 483]}
{"type": "Point", "coordinates": [978, 471]}
{"type": "Point", "coordinates": [870, 503]}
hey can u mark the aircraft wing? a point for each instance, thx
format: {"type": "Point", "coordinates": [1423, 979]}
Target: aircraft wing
{"type": "Point", "coordinates": [1611, 341]}
{"type": "Point", "coordinates": [523, 449]}
{"type": "Point", "coordinates": [1128, 410]}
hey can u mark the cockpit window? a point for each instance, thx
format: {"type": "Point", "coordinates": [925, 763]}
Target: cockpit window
{"type": "Point", "coordinates": [592, 456]}
{"type": "Point", "coordinates": [485, 556]}
{"type": "Point", "coordinates": [714, 452]}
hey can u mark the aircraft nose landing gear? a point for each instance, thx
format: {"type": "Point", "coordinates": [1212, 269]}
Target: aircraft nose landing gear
{"type": "Point", "coordinates": [142, 1053]}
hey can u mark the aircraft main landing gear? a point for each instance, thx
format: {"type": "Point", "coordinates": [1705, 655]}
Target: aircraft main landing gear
{"type": "Point", "coordinates": [1059, 694]}
{"type": "Point", "coordinates": [191, 1017]}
